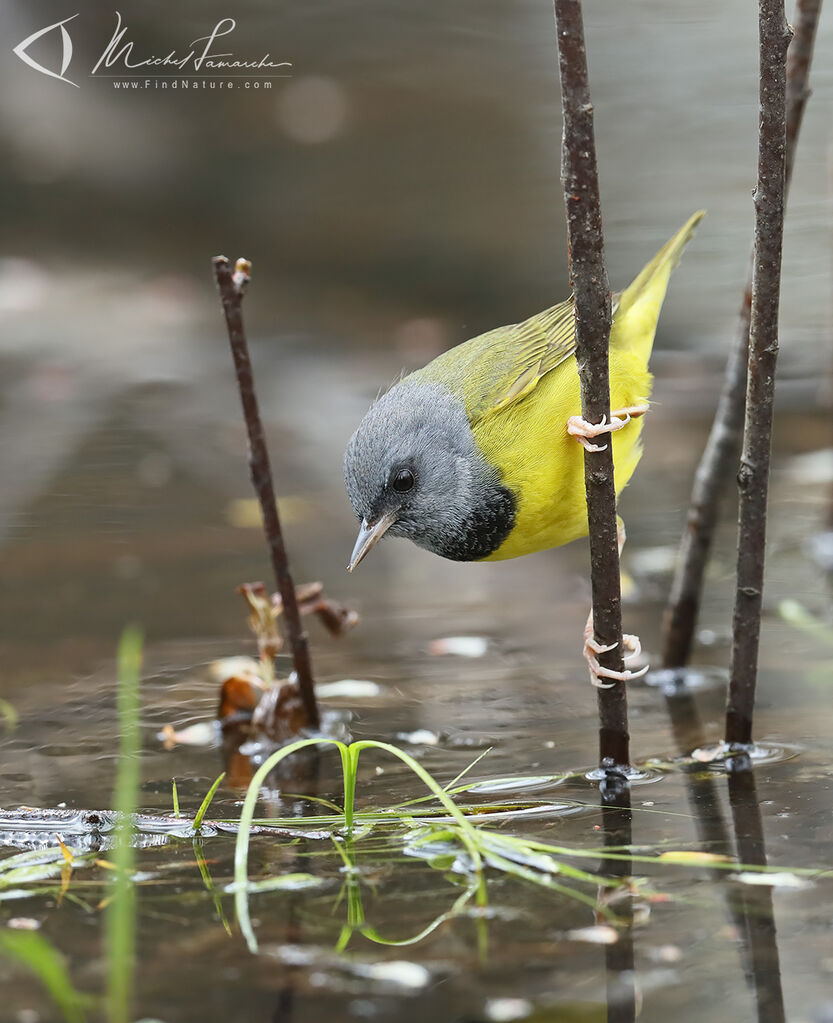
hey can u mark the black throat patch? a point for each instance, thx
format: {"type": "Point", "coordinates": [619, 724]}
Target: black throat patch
{"type": "Point", "coordinates": [484, 529]}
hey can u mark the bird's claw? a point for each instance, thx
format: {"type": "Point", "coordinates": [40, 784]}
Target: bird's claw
{"type": "Point", "coordinates": [592, 649]}
{"type": "Point", "coordinates": [597, 672]}
{"type": "Point", "coordinates": [584, 432]}
{"type": "Point", "coordinates": [633, 646]}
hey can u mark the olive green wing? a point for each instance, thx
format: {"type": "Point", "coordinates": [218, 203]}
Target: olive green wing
{"type": "Point", "coordinates": [497, 369]}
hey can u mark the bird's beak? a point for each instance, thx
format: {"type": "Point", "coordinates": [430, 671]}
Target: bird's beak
{"type": "Point", "coordinates": [369, 536]}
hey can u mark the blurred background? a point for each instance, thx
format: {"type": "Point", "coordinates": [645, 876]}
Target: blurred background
{"type": "Point", "coordinates": [398, 193]}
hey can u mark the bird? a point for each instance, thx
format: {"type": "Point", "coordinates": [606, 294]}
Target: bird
{"type": "Point", "coordinates": [475, 457]}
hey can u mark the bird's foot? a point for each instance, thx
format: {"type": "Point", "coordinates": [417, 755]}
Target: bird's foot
{"type": "Point", "coordinates": [584, 432]}
{"type": "Point", "coordinates": [592, 649]}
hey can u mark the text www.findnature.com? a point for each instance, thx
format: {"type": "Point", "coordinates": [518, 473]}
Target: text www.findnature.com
{"type": "Point", "coordinates": [186, 83]}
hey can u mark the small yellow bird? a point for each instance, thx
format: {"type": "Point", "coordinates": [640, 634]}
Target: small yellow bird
{"type": "Point", "coordinates": [474, 457]}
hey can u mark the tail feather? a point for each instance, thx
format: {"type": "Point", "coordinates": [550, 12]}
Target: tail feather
{"type": "Point", "coordinates": [638, 306]}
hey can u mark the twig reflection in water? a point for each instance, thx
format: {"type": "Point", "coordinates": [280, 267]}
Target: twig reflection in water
{"type": "Point", "coordinates": [754, 903]}
{"type": "Point", "coordinates": [750, 908]}
{"type": "Point", "coordinates": [305, 774]}
{"type": "Point", "coordinates": [617, 819]}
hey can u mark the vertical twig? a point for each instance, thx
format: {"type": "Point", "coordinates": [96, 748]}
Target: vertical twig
{"type": "Point", "coordinates": [718, 460]}
{"type": "Point", "coordinates": [753, 475]}
{"type": "Point", "coordinates": [591, 290]}
{"type": "Point", "coordinates": [232, 288]}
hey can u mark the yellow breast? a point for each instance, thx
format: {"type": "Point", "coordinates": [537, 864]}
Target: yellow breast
{"type": "Point", "coordinates": [544, 466]}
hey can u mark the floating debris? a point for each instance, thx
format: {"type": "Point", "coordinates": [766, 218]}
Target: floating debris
{"type": "Point", "coordinates": [666, 954]}
{"type": "Point", "coordinates": [720, 755]}
{"type": "Point", "coordinates": [813, 468]}
{"type": "Point", "coordinates": [399, 973]}
{"type": "Point", "coordinates": [8, 715]}
{"type": "Point", "coordinates": [520, 783]}
{"type": "Point", "coordinates": [203, 733]}
{"type": "Point", "coordinates": [600, 934]}
{"type": "Point", "coordinates": [503, 1010]}
{"type": "Point", "coordinates": [245, 513]}
{"type": "Point", "coordinates": [820, 549]}
{"type": "Point", "coordinates": [782, 879]}
{"type": "Point", "coordinates": [348, 688]}
{"type": "Point", "coordinates": [419, 737]}
{"type": "Point", "coordinates": [252, 698]}
{"type": "Point", "coordinates": [459, 646]}
{"type": "Point", "coordinates": [239, 697]}
{"type": "Point", "coordinates": [231, 667]}
{"type": "Point", "coordinates": [280, 714]}
{"type": "Point", "coordinates": [692, 857]}
{"type": "Point", "coordinates": [282, 883]}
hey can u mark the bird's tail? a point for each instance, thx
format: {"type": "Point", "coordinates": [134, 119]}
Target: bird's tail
{"type": "Point", "coordinates": [638, 306]}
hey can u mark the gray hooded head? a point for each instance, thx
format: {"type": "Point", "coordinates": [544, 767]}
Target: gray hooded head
{"type": "Point", "coordinates": [413, 466]}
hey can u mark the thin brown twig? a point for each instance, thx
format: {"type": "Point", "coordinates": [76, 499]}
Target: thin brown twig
{"type": "Point", "coordinates": [232, 288]}
{"type": "Point", "coordinates": [753, 475]}
{"type": "Point", "coordinates": [591, 291]}
{"type": "Point", "coordinates": [720, 455]}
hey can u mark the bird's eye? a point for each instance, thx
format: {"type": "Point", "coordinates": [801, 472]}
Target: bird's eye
{"type": "Point", "coordinates": [403, 481]}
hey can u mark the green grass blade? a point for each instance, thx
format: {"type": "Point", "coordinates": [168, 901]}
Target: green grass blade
{"type": "Point", "coordinates": [466, 770]}
{"type": "Point", "coordinates": [449, 786]}
{"type": "Point", "coordinates": [459, 904]}
{"type": "Point", "coordinates": [203, 810]}
{"type": "Point", "coordinates": [468, 832]}
{"type": "Point", "coordinates": [241, 846]}
{"type": "Point", "coordinates": [207, 880]}
{"type": "Point", "coordinates": [175, 797]}
{"type": "Point", "coordinates": [307, 798]}
{"type": "Point", "coordinates": [121, 911]}
{"type": "Point", "coordinates": [543, 881]}
{"type": "Point", "coordinates": [35, 952]}
{"type": "Point", "coordinates": [349, 771]}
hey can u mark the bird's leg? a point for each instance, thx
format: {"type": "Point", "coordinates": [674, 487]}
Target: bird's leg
{"type": "Point", "coordinates": [584, 431]}
{"type": "Point", "coordinates": [630, 644]}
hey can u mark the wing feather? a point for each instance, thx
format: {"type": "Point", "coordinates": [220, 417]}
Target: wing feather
{"type": "Point", "coordinates": [518, 357]}
{"type": "Point", "coordinates": [493, 371]}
